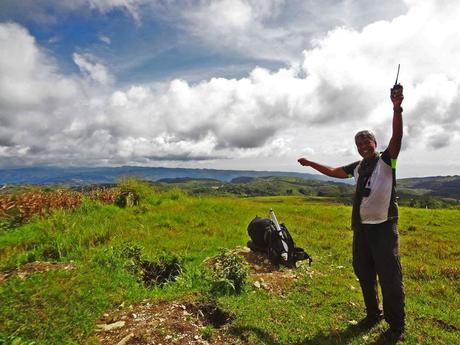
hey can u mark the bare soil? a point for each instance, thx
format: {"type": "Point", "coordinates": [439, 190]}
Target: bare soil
{"type": "Point", "coordinates": [180, 323]}
{"type": "Point", "coordinates": [30, 268]}
{"type": "Point", "coordinates": [188, 322]}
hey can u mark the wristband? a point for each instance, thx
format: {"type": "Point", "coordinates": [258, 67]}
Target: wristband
{"type": "Point", "coordinates": [398, 110]}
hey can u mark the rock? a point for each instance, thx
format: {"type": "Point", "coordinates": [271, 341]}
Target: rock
{"type": "Point", "coordinates": [257, 284]}
{"type": "Point", "coordinates": [110, 326]}
{"type": "Point", "coordinates": [125, 339]}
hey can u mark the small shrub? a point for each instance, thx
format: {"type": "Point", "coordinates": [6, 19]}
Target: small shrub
{"type": "Point", "coordinates": [227, 273]}
{"type": "Point", "coordinates": [127, 198]}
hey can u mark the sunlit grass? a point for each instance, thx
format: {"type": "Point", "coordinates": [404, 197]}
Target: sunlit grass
{"type": "Point", "coordinates": [62, 307]}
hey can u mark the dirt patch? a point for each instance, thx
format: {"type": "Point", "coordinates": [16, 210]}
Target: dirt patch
{"type": "Point", "coordinates": [164, 322]}
{"type": "Point", "coordinates": [30, 268]}
{"type": "Point", "coordinates": [189, 322]}
{"type": "Point", "coordinates": [266, 275]}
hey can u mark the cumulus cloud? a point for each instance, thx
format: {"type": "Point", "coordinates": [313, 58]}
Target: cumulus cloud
{"type": "Point", "coordinates": [48, 117]}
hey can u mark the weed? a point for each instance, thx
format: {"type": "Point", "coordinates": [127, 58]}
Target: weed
{"type": "Point", "coordinates": [452, 273]}
{"type": "Point", "coordinates": [227, 273]}
{"type": "Point", "coordinates": [207, 332]}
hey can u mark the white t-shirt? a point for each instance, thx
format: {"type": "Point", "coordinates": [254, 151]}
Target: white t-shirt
{"type": "Point", "coordinates": [380, 205]}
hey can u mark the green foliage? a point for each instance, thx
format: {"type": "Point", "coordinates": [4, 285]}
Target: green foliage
{"type": "Point", "coordinates": [227, 273]}
{"type": "Point", "coordinates": [207, 332]}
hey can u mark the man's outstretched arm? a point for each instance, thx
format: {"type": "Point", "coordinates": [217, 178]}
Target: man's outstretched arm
{"type": "Point", "coordinates": [395, 142]}
{"type": "Point", "coordinates": [323, 169]}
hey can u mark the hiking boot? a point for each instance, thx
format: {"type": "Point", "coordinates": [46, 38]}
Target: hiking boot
{"type": "Point", "coordinates": [370, 321]}
{"type": "Point", "coordinates": [394, 334]}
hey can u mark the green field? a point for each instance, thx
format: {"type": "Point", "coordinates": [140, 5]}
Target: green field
{"type": "Point", "coordinates": [321, 305]}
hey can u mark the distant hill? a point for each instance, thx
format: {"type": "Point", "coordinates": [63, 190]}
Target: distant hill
{"type": "Point", "coordinates": [432, 192]}
{"type": "Point", "coordinates": [240, 182]}
{"type": "Point", "coordinates": [89, 176]}
{"type": "Point", "coordinates": [262, 186]}
{"type": "Point", "coordinates": [440, 186]}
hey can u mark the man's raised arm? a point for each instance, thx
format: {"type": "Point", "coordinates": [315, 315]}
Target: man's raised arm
{"type": "Point", "coordinates": [395, 142]}
{"type": "Point", "coordinates": [323, 169]}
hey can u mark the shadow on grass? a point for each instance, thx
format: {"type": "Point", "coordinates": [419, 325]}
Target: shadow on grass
{"type": "Point", "coordinates": [333, 338]}
{"type": "Point", "coordinates": [345, 336]}
{"type": "Point", "coordinates": [241, 332]}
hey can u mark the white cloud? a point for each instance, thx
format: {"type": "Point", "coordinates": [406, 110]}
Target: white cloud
{"type": "Point", "coordinates": [275, 29]}
{"type": "Point", "coordinates": [105, 39]}
{"type": "Point", "coordinates": [27, 76]}
{"type": "Point", "coordinates": [341, 87]}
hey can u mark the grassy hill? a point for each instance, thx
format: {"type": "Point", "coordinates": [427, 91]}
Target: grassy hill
{"type": "Point", "coordinates": [437, 192]}
{"type": "Point", "coordinates": [262, 186]}
{"type": "Point", "coordinates": [97, 246]}
{"type": "Point", "coordinates": [442, 186]}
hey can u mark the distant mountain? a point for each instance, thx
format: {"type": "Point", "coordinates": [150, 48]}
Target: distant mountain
{"type": "Point", "coordinates": [106, 175]}
{"type": "Point", "coordinates": [408, 188]}
{"type": "Point", "coordinates": [443, 186]}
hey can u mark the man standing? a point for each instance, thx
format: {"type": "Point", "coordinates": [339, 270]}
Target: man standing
{"type": "Point", "coordinates": [374, 221]}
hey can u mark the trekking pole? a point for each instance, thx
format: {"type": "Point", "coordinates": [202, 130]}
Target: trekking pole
{"type": "Point", "coordinates": [284, 255]}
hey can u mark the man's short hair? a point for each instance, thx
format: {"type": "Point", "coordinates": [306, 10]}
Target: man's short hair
{"type": "Point", "coordinates": [366, 134]}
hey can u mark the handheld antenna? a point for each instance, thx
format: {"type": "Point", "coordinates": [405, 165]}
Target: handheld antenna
{"type": "Point", "coordinates": [397, 75]}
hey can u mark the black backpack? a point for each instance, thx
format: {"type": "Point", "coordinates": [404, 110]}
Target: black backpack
{"type": "Point", "coordinates": [266, 238]}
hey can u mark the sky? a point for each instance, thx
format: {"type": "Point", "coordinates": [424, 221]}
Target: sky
{"type": "Point", "coordinates": [227, 84]}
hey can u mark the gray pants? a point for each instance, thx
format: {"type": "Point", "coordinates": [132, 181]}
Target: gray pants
{"type": "Point", "coordinates": [376, 253]}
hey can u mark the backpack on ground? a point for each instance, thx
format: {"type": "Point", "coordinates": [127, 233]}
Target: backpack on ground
{"type": "Point", "coordinates": [267, 236]}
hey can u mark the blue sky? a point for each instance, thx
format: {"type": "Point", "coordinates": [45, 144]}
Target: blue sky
{"type": "Point", "coordinates": [237, 84]}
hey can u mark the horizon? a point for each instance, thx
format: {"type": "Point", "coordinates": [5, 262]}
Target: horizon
{"type": "Point", "coordinates": [227, 85]}
{"type": "Point", "coordinates": [215, 169]}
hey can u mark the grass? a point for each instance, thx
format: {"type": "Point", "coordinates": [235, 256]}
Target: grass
{"type": "Point", "coordinates": [62, 307]}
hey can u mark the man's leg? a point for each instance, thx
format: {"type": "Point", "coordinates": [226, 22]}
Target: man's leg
{"type": "Point", "coordinates": [385, 248]}
{"type": "Point", "coordinates": [363, 265]}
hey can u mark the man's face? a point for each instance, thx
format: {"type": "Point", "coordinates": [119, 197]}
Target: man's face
{"type": "Point", "coordinates": [366, 147]}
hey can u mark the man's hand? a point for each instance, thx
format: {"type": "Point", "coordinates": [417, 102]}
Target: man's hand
{"type": "Point", "coordinates": [397, 96]}
{"type": "Point", "coordinates": [303, 161]}
{"type": "Point", "coordinates": [395, 142]}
